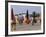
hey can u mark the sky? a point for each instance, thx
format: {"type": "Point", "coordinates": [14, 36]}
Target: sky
{"type": "Point", "coordinates": [22, 9]}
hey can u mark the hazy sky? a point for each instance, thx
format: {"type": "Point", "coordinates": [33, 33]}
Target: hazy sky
{"type": "Point", "coordinates": [22, 9]}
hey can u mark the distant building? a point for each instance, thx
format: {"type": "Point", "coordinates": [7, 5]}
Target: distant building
{"type": "Point", "coordinates": [17, 19]}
